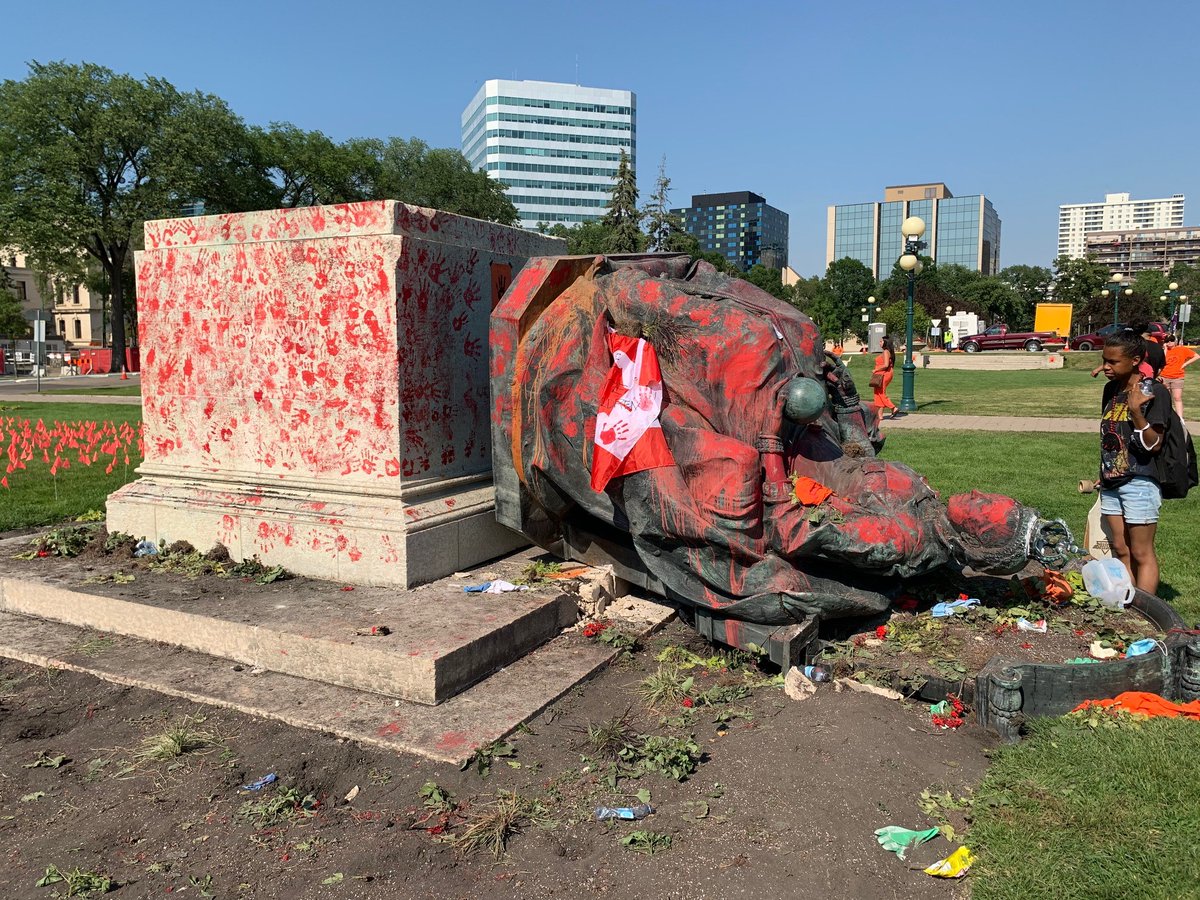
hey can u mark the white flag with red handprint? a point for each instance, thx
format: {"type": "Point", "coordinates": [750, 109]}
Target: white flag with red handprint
{"type": "Point", "coordinates": [628, 436]}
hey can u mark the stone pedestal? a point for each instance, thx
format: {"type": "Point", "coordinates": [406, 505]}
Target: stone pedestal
{"type": "Point", "coordinates": [315, 388]}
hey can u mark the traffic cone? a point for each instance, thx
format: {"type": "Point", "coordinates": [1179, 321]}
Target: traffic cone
{"type": "Point", "coordinates": [124, 375]}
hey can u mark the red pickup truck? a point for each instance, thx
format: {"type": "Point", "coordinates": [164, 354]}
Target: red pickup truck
{"type": "Point", "coordinates": [998, 337]}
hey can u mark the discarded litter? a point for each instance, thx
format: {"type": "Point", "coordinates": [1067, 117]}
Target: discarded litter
{"type": "Point", "coordinates": [817, 673]}
{"type": "Point", "coordinates": [952, 607]}
{"type": "Point", "coordinates": [374, 631]}
{"type": "Point", "coordinates": [1039, 626]}
{"type": "Point", "coordinates": [631, 813]}
{"type": "Point", "coordinates": [494, 587]}
{"type": "Point", "coordinates": [953, 866]}
{"type": "Point", "coordinates": [260, 784]}
{"type": "Point", "coordinates": [899, 840]}
{"type": "Point", "coordinates": [861, 688]}
{"type": "Point", "coordinates": [146, 548]}
{"type": "Point", "coordinates": [1099, 651]}
{"type": "Point", "coordinates": [1142, 647]}
{"type": "Point", "coordinates": [1080, 661]}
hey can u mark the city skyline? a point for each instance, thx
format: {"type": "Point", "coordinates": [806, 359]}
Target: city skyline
{"type": "Point", "coordinates": [819, 116]}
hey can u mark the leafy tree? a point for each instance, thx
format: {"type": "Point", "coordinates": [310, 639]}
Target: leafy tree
{"type": "Point", "coordinates": [955, 280]}
{"type": "Point", "coordinates": [1152, 284]}
{"type": "Point", "coordinates": [1099, 310]}
{"type": "Point", "coordinates": [309, 168]}
{"type": "Point", "coordinates": [848, 283]}
{"type": "Point", "coordinates": [440, 178]}
{"type": "Point", "coordinates": [1032, 283]}
{"type": "Point", "coordinates": [13, 323]}
{"type": "Point", "coordinates": [770, 280]}
{"type": "Point", "coordinates": [87, 155]}
{"type": "Point", "coordinates": [623, 218]}
{"type": "Point", "coordinates": [894, 316]}
{"type": "Point", "coordinates": [1188, 279]}
{"type": "Point", "coordinates": [999, 302]}
{"type": "Point", "coordinates": [1078, 281]}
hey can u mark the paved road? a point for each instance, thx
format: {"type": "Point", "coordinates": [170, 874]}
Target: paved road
{"type": "Point", "coordinates": [928, 422]}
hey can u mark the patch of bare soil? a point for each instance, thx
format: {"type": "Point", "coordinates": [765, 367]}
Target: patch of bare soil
{"type": "Point", "coordinates": [782, 799]}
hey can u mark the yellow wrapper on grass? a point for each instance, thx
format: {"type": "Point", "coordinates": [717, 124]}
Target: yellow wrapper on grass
{"type": "Point", "coordinates": [953, 866]}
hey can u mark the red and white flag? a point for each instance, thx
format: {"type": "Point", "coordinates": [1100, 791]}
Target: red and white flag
{"type": "Point", "coordinates": [628, 436]}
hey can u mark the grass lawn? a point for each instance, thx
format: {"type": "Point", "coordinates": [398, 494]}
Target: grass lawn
{"type": "Point", "coordinates": [35, 497]}
{"type": "Point", "coordinates": [1074, 811]}
{"type": "Point", "coordinates": [124, 390]}
{"type": "Point", "coordinates": [1042, 470]}
{"type": "Point", "coordinates": [1079, 812]}
{"type": "Point", "coordinates": [1069, 392]}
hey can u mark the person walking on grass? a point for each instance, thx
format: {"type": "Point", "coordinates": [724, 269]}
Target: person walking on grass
{"type": "Point", "coordinates": [1179, 358]}
{"type": "Point", "coordinates": [881, 377]}
{"type": "Point", "coordinates": [1132, 425]}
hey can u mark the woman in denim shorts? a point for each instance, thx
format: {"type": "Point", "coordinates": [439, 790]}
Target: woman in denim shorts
{"type": "Point", "coordinates": [1132, 425]}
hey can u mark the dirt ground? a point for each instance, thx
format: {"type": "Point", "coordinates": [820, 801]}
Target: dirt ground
{"type": "Point", "coordinates": [783, 802]}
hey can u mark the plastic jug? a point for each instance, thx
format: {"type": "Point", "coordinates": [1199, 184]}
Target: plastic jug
{"type": "Point", "coordinates": [1108, 581]}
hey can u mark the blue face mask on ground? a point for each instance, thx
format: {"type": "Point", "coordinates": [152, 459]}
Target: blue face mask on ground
{"type": "Point", "coordinates": [1139, 648]}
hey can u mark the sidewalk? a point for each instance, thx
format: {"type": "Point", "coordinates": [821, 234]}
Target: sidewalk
{"type": "Point", "coordinates": [71, 398]}
{"type": "Point", "coordinates": [933, 422]}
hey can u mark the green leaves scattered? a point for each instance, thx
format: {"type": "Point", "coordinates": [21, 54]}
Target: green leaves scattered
{"type": "Point", "coordinates": [79, 883]}
{"type": "Point", "coordinates": [483, 758]}
{"type": "Point", "coordinates": [44, 761]}
{"type": "Point", "coordinates": [648, 842]}
{"type": "Point", "coordinates": [674, 757]}
{"type": "Point", "coordinates": [436, 798]}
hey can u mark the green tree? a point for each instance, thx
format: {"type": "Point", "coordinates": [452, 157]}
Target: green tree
{"type": "Point", "coordinates": [1152, 284]}
{"type": "Point", "coordinates": [955, 280]}
{"type": "Point", "coordinates": [87, 155]}
{"type": "Point", "coordinates": [583, 239]}
{"type": "Point", "coordinates": [441, 178]}
{"type": "Point", "coordinates": [13, 323]}
{"type": "Point", "coordinates": [1188, 279]}
{"type": "Point", "coordinates": [664, 229]}
{"type": "Point", "coordinates": [848, 283]}
{"type": "Point", "coordinates": [770, 280]}
{"type": "Point", "coordinates": [999, 302]}
{"type": "Point", "coordinates": [1078, 281]}
{"type": "Point", "coordinates": [894, 316]}
{"type": "Point", "coordinates": [308, 168]}
{"type": "Point", "coordinates": [623, 217]}
{"type": "Point", "coordinates": [1032, 283]}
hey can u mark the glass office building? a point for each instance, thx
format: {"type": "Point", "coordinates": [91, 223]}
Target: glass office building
{"type": "Point", "coordinates": [962, 231]}
{"type": "Point", "coordinates": [555, 146]}
{"type": "Point", "coordinates": [741, 226]}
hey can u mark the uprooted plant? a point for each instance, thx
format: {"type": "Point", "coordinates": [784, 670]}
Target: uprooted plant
{"type": "Point", "coordinates": [285, 805]}
{"type": "Point", "coordinates": [185, 736]}
{"type": "Point", "coordinates": [490, 826]}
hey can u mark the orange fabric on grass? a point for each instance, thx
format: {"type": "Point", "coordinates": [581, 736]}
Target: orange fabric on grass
{"type": "Point", "coordinates": [1146, 704]}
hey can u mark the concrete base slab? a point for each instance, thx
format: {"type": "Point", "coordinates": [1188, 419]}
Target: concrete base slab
{"type": "Point", "coordinates": [441, 639]}
{"type": "Point", "coordinates": [381, 539]}
{"type": "Point", "coordinates": [449, 732]}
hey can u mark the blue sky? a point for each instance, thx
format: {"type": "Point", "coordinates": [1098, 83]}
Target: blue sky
{"type": "Point", "coordinates": [807, 103]}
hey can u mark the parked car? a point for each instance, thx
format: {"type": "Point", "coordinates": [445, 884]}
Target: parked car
{"type": "Point", "coordinates": [1095, 340]}
{"type": "Point", "coordinates": [998, 337]}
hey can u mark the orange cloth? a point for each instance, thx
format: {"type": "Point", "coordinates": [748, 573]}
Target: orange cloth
{"type": "Point", "coordinates": [1146, 704]}
{"type": "Point", "coordinates": [1176, 357]}
{"type": "Point", "coordinates": [809, 492]}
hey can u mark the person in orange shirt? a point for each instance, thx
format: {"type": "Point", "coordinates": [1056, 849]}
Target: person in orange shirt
{"type": "Point", "coordinates": [1178, 359]}
{"type": "Point", "coordinates": [885, 365]}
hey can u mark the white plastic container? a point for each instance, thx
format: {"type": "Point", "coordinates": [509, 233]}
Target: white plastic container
{"type": "Point", "coordinates": [1108, 581]}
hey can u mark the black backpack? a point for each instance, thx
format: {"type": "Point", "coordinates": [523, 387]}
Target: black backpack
{"type": "Point", "coordinates": [1176, 462]}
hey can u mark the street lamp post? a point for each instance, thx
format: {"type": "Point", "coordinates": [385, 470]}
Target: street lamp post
{"type": "Point", "coordinates": [1114, 290]}
{"type": "Point", "coordinates": [1173, 294]}
{"type": "Point", "coordinates": [910, 262]}
{"type": "Point", "coordinates": [868, 316]}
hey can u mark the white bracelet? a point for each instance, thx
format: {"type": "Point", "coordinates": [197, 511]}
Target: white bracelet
{"type": "Point", "coordinates": [1142, 438]}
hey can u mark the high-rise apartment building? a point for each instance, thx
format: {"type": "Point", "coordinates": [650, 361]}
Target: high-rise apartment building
{"type": "Point", "coordinates": [1141, 249]}
{"type": "Point", "coordinates": [1116, 213]}
{"type": "Point", "coordinates": [962, 231]}
{"type": "Point", "coordinates": [555, 146]}
{"type": "Point", "coordinates": [741, 226]}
